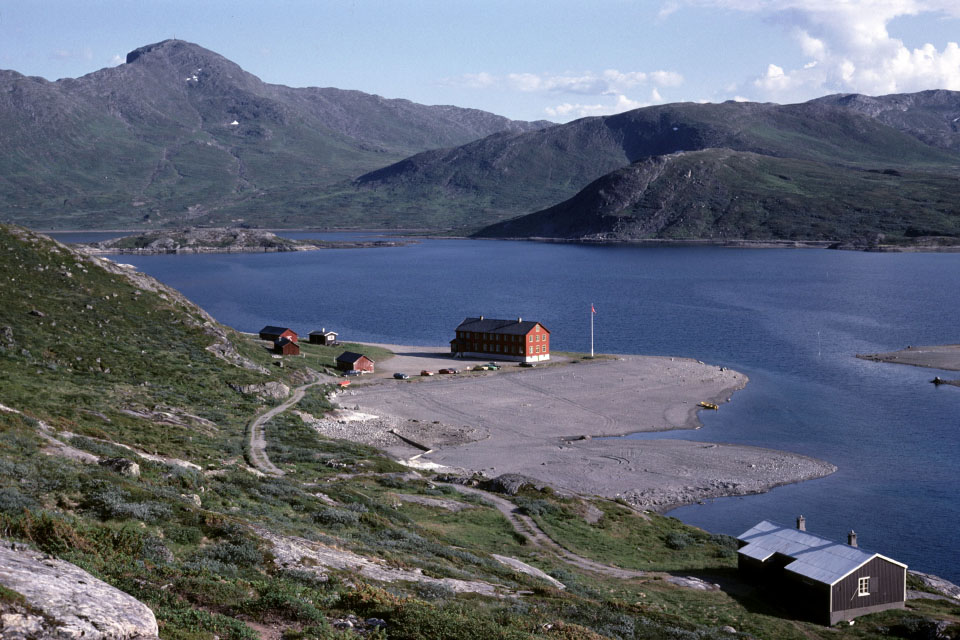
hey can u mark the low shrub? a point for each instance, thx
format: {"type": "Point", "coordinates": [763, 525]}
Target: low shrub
{"type": "Point", "coordinates": [335, 518]}
{"type": "Point", "coordinates": [676, 540]}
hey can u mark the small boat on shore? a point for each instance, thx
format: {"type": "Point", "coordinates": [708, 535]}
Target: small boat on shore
{"type": "Point", "coordinates": [709, 405]}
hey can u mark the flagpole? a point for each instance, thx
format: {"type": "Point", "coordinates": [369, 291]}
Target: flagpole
{"type": "Point", "coordinates": [592, 312]}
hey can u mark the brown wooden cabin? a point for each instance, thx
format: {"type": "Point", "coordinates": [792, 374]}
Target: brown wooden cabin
{"type": "Point", "coordinates": [276, 333]}
{"type": "Point", "coordinates": [357, 361]}
{"type": "Point", "coordinates": [817, 578]}
{"type": "Point", "coordinates": [323, 337]}
{"type": "Point", "coordinates": [286, 347]}
{"type": "Point", "coordinates": [516, 340]}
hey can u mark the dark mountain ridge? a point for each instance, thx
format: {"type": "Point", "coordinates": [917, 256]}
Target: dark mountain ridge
{"type": "Point", "coordinates": [725, 195]}
{"type": "Point", "coordinates": [178, 128]}
{"type": "Point", "coordinates": [499, 175]}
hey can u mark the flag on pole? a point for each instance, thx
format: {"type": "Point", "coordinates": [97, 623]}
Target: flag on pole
{"type": "Point", "coordinates": [592, 310]}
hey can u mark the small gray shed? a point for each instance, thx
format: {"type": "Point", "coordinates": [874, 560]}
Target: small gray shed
{"type": "Point", "coordinates": [822, 580]}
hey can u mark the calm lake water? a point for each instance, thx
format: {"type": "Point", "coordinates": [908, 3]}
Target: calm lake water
{"type": "Point", "coordinates": [790, 319]}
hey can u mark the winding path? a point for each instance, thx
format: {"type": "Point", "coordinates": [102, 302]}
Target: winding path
{"type": "Point", "coordinates": [258, 438]}
{"type": "Point", "coordinates": [525, 525]}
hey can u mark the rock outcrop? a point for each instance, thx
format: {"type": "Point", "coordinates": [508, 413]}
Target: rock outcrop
{"type": "Point", "coordinates": [62, 600]}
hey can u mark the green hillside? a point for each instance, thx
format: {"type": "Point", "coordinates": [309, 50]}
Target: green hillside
{"type": "Point", "coordinates": [98, 362]}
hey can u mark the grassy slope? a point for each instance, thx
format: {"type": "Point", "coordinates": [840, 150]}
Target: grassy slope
{"type": "Point", "coordinates": [204, 571]}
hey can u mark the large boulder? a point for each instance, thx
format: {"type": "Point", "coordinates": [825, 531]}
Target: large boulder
{"type": "Point", "coordinates": [511, 483]}
{"type": "Point", "coordinates": [71, 603]}
{"type": "Point", "coordinates": [275, 390]}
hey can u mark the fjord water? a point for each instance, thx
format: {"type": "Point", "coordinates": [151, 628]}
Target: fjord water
{"type": "Point", "coordinates": [792, 320]}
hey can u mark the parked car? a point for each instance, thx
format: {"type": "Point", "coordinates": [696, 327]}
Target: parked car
{"type": "Point", "coordinates": [493, 366]}
{"type": "Point", "coordinates": [353, 372]}
{"type": "Point", "coordinates": [426, 373]}
{"type": "Point", "coordinates": [481, 367]}
{"type": "Point", "coordinates": [528, 364]}
{"type": "Point", "coordinates": [448, 371]}
{"type": "Point", "coordinates": [401, 376]}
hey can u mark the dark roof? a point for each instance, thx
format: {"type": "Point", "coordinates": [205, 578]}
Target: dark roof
{"type": "Point", "coordinates": [322, 333]}
{"type": "Point", "coordinates": [350, 356]}
{"type": "Point", "coordinates": [814, 557]}
{"type": "Point", "coordinates": [494, 325]}
{"type": "Point", "coordinates": [275, 330]}
{"type": "Point", "coordinates": [283, 341]}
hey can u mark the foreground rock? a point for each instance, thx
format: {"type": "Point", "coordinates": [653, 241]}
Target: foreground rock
{"type": "Point", "coordinates": [62, 600]}
{"type": "Point", "coordinates": [290, 552]}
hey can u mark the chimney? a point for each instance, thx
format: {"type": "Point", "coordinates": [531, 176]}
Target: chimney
{"type": "Point", "coordinates": [519, 320]}
{"type": "Point", "coordinates": [801, 523]}
{"type": "Point", "coordinates": [852, 538]}
{"type": "Point", "coordinates": [481, 317]}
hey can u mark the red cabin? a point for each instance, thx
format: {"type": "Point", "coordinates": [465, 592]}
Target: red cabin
{"type": "Point", "coordinates": [348, 360]}
{"type": "Point", "coordinates": [277, 333]}
{"type": "Point", "coordinates": [286, 347]}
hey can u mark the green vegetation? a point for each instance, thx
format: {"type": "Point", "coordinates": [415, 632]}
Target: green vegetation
{"type": "Point", "coordinates": [197, 544]}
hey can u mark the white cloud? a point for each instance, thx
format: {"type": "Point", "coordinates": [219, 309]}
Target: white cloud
{"type": "Point", "coordinates": [482, 80]}
{"type": "Point", "coordinates": [569, 111]}
{"type": "Point", "coordinates": [848, 47]}
{"type": "Point", "coordinates": [117, 59]}
{"type": "Point", "coordinates": [72, 54]}
{"type": "Point", "coordinates": [588, 83]}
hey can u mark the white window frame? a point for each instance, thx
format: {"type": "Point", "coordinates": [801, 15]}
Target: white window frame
{"type": "Point", "coordinates": [863, 586]}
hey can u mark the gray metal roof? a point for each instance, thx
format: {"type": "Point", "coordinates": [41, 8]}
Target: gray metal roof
{"type": "Point", "coordinates": [495, 325]}
{"type": "Point", "coordinates": [814, 557]}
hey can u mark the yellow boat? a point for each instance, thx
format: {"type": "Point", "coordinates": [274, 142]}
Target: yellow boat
{"type": "Point", "coordinates": [709, 405]}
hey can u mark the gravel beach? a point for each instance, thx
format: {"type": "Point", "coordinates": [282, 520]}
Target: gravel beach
{"type": "Point", "coordinates": [945, 357]}
{"type": "Point", "coordinates": [546, 422]}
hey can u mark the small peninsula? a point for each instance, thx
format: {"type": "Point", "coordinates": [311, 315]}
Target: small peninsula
{"type": "Point", "coordinates": [946, 357]}
{"type": "Point", "coordinates": [218, 240]}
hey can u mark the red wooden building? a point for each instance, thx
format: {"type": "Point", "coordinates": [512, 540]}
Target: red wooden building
{"type": "Point", "coordinates": [517, 340]}
{"type": "Point", "coordinates": [286, 347]}
{"type": "Point", "coordinates": [348, 360]}
{"type": "Point", "coordinates": [276, 333]}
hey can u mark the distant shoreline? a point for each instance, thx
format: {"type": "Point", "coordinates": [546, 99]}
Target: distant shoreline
{"type": "Point", "coordinates": [643, 242]}
{"type": "Point", "coordinates": [945, 357]}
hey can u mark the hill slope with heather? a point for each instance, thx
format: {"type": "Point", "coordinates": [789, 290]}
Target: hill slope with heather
{"type": "Point", "coordinates": [123, 416]}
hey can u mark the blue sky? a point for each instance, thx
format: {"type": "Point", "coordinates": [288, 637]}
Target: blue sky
{"type": "Point", "coordinates": [524, 59]}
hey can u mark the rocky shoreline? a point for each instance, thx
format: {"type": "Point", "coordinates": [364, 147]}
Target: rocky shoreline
{"type": "Point", "coordinates": [219, 240]}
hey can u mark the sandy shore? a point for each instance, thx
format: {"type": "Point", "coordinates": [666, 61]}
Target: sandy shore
{"type": "Point", "coordinates": [544, 423]}
{"type": "Point", "coordinates": [945, 357]}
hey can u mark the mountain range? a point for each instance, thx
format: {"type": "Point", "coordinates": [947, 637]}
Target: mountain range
{"type": "Point", "coordinates": [180, 135]}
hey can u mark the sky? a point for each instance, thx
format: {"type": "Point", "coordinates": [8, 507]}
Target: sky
{"type": "Point", "coordinates": [526, 59]}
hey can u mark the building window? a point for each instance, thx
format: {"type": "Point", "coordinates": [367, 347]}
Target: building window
{"type": "Point", "coordinates": [863, 586]}
{"type": "Point", "coordinates": [531, 338]}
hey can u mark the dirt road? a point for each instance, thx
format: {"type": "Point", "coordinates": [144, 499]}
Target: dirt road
{"type": "Point", "coordinates": [258, 441]}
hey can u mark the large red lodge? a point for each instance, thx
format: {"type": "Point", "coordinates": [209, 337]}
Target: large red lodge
{"type": "Point", "coordinates": [516, 340]}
